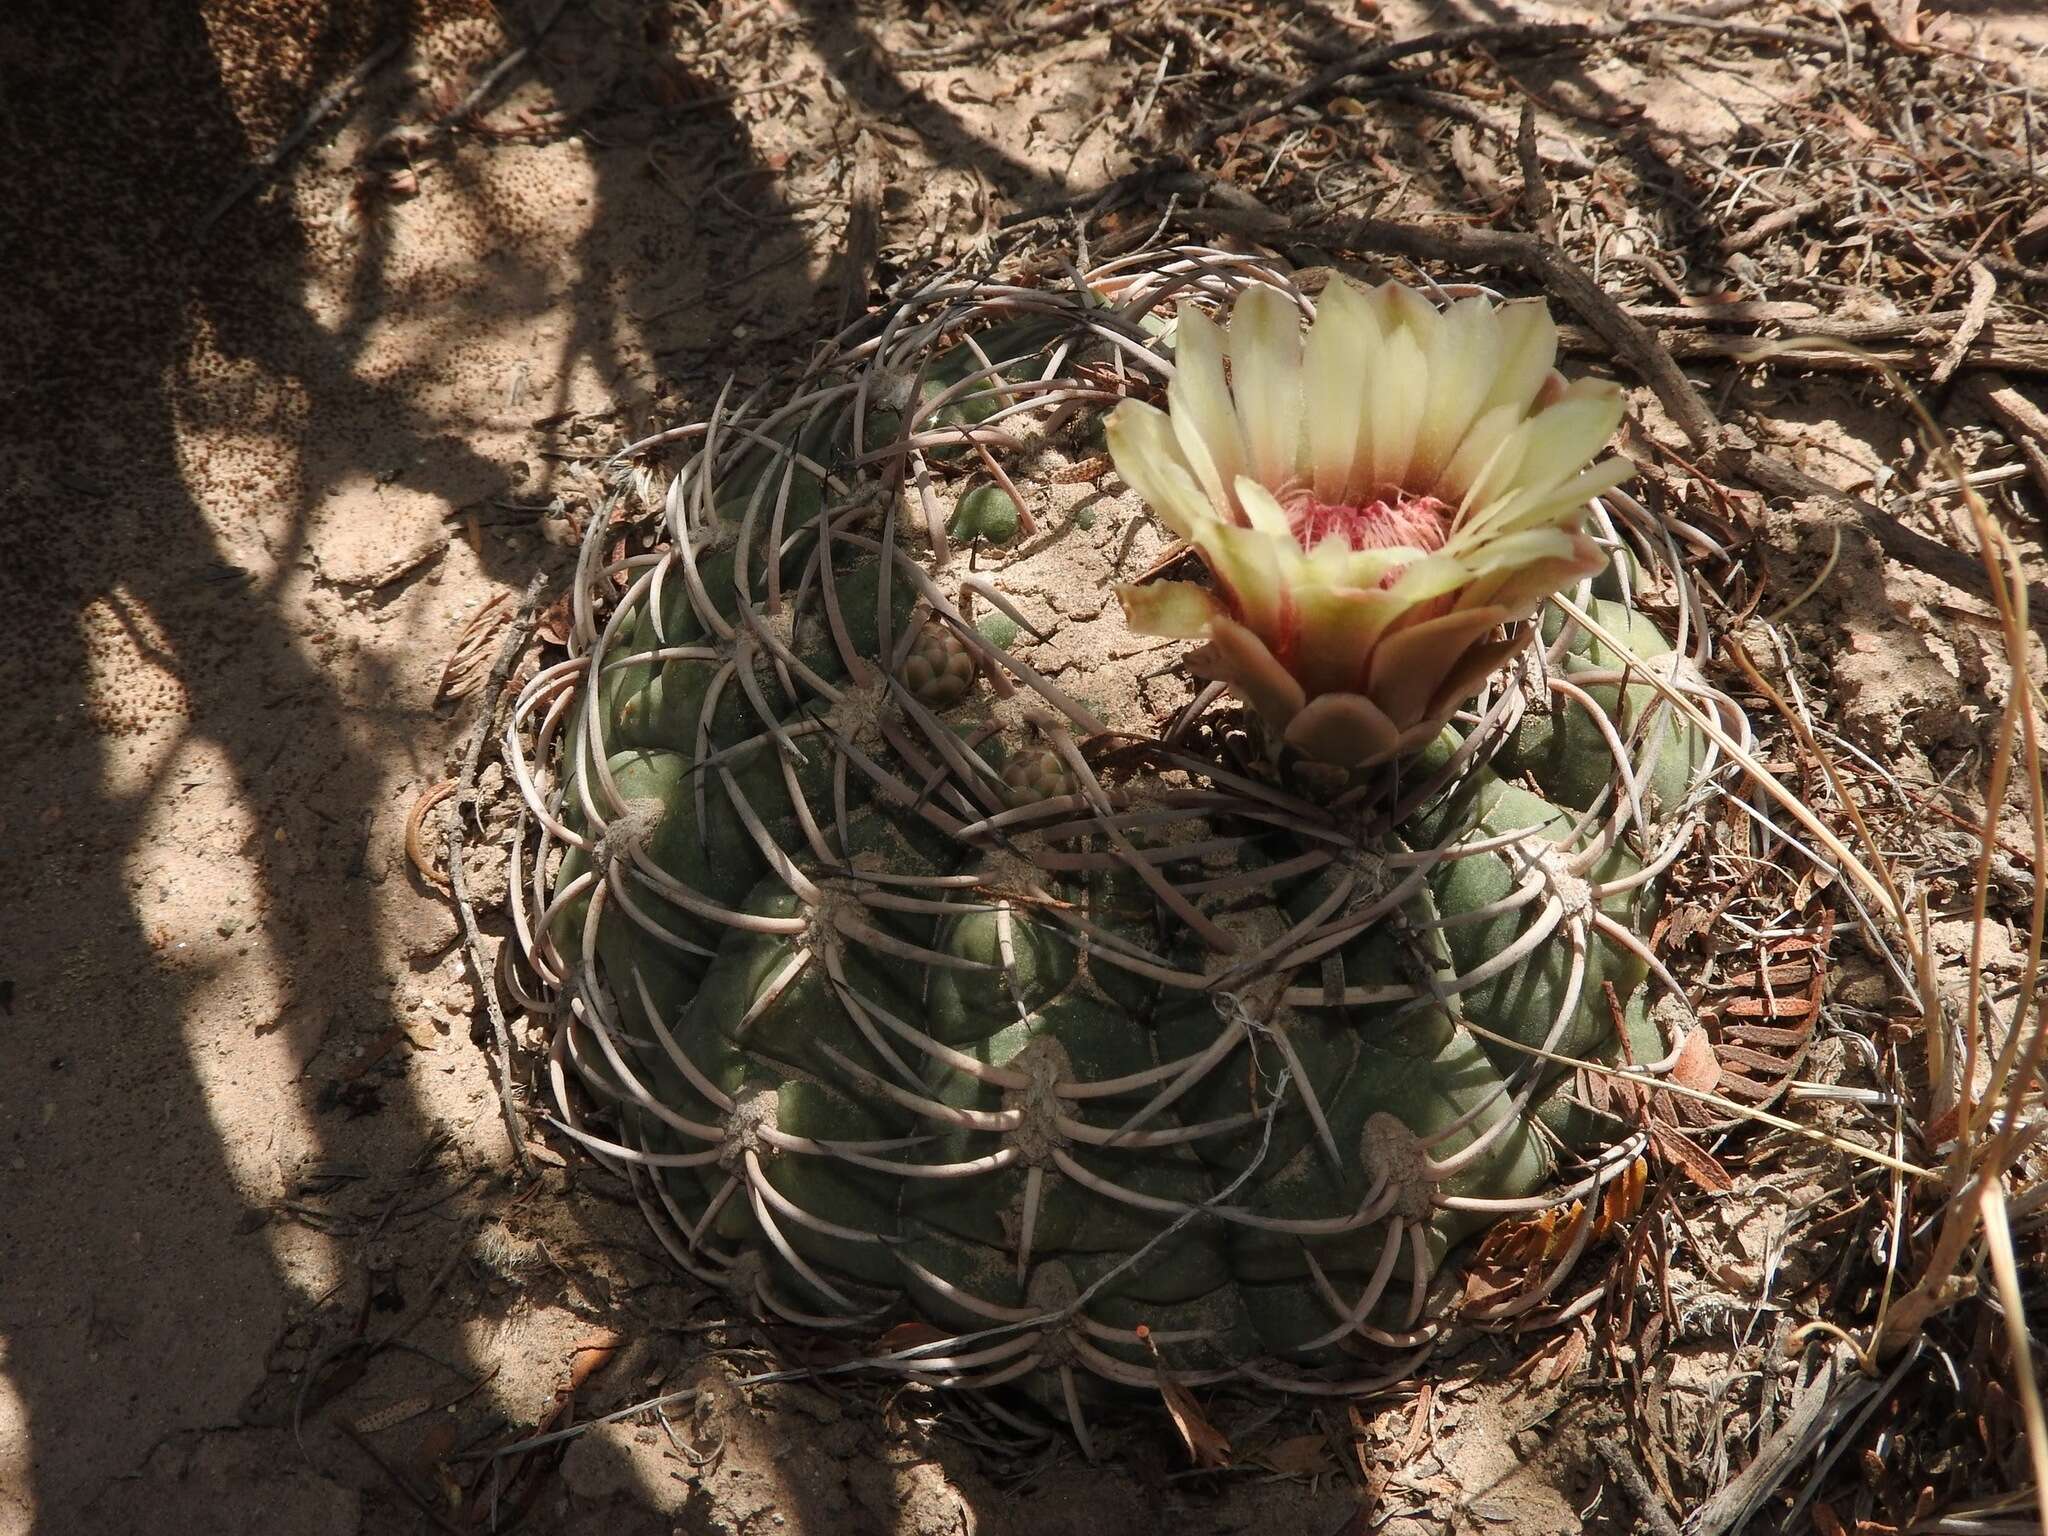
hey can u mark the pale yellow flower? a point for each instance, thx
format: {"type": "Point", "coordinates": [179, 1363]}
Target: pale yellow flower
{"type": "Point", "coordinates": [1374, 503]}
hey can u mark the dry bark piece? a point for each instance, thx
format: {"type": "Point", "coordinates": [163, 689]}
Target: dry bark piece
{"type": "Point", "coordinates": [2025, 423]}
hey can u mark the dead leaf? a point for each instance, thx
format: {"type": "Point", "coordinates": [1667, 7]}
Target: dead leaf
{"type": "Point", "coordinates": [1690, 1158]}
{"type": "Point", "coordinates": [1301, 1456]}
{"type": "Point", "coordinates": [437, 1441]}
{"type": "Point", "coordinates": [1206, 1444]}
{"type": "Point", "coordinates": [1677, 929]}
{"type": "Point", "coordinates": [554, 622]}
{"type": "Point", "coordinates": [1858, 129]}
{"type": "Point", "coordinates": [1485, 1284]}
{"type": "Point", "coordinates": [587, 1356]}
{"type": "Point", "coordinates": [1418, 1428]}
{"type": "Point", "coordinates": [2030, 241]}
{"type": "Point", "coordinates": [415, 823]}
{"type": "Point", "coordinates": [590, 1355]}
{"type": "Point", "coordinates": [1553, 1363]}
{"type": "Point", "coordinates": [397, 1413]}
{"type": "Point", "coordinates": [470, 663]}
{"type": "Point", "coordinates": [1622, 1198]}
{"type": "Point", "coordinates": [1738, 1278]}
{"type": "Point", "coordinates": [1696, 1067]}
{"type": "Point", "coordinates": [910, 1336]}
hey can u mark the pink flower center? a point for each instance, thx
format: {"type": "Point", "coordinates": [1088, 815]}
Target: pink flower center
{"type": "Point", "coordinates": [1418, 522]}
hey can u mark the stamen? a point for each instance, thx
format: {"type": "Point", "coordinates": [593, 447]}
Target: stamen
{"type": "Point", "coordinates": [1394, 519]}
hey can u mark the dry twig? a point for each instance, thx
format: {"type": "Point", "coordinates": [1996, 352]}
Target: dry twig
{"type": "Point", "coordinates": [323, 107]}
{"type": "Point", "coordinates": [480, 968]}
{"type": "Point", "coordinates": [1630, 1476]}
{"type": "Point", "coordinates": [2025, 423]}
{"type": "Point", "coordinates": [1982, 287]}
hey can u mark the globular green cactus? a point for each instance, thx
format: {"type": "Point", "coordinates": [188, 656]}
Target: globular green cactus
{"type": "Point", "coordinates": [925, 945]}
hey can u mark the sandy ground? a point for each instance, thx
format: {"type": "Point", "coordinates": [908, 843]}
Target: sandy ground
{"type": "Point", "coordinates": [258, 479]}
{"type": "Point", "coordinates": [263, 465]}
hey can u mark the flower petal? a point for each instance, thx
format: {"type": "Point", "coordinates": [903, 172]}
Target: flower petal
{"type": "Point", "coordinates": [1461, 353]}
{"type": "Point", "coordinates": [1500, 479]}
{"type": "Point", "coordinates": [1409, 669]}
{"type": "Point", "coordinates": [1142, 443]}
{"type": "Point", "coordinates": [1430, 577]}
{"type": "Point", "coordinates": [1346, 729]}
{"type": "Point", "coordinates": [1179, 610]}
{"type": "Point", "coordinates": [1339, 364]}
{"type": "Point", "coordinates": [1236, 656]}
{"type": "Point", "coordinates": [1473, 669]}
{"type": "Point", "coordinates": [1530, 589]}
{"type": "Point", "coordinates": [1487, 440]}
{"type": "Point", "coordinates": [1565, 436]}
{"type": "Point", "coordinates": [1401, 307]}
{"type": "Point", "coordinates": [1398, 392]}
{"type": "Point", "coordinates": [1369, 567]}
{"type": "Point", "coordinates": [1204, 421]}
{"type": "Point", "coordinates": [1265, 379]}
{"type": "Point", "coordinates": [1528, 351]}
{"type": "Point", "coordinates": [1253, 571]}
{"type": "Point", "coordinates": [1262, 510]}
{"type": "Point", "coordinates": [1491, 555]}
{"type": "Point", "coordinates": [1331, 557]}
{"type": "Point", "coordinates": [1560, 506]}
{"type": "Point", "coordinates": [1337, 630]}
{"type": "Point", "coordinates": [1522, 587]}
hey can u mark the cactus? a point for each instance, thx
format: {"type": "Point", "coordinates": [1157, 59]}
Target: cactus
{"type": "Point", "coordinates": [924, 948]}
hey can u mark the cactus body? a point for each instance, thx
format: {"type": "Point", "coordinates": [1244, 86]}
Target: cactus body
{"type": "Point", "coordinates": [908, 979]}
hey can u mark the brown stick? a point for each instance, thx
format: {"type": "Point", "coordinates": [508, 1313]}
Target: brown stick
{"type": "Point", "coordinates": [312, 118]}
{"type": "Point", "coordinates": [1625, 1471]}
{"type": "Point", "coordinates": [1982, 287]}
{"type": "Point", "coordinates": [1773, 222]}
{"type": "Point", "coordinates": [2012, 348]}
{"type": "Point", "coordinates": [1539, 208]}
{"type": "Point", "coordinates": [465, 804]}
{"type": "Point", "coordinates": [1732, 312]}
{"type": "Point", "coordinates": [2024, 422]}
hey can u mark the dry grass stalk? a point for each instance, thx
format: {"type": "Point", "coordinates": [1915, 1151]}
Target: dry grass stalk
{"type": "Point", "coordinates": [1992, 1130]}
